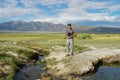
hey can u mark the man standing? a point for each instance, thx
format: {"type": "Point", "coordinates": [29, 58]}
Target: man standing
{"type": "Point", "coordinates": [70, 40]}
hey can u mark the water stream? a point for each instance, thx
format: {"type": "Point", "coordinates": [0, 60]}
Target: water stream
{"type": "Point", "coordinates": [105, 73]}
{"type": "Point", "coordinates": [33, 72]}
{"type": "Point", "coordinates": [30, 71]}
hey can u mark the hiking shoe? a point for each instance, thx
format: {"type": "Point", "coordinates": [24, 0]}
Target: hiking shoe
{"type": "Point", "coordinates": [67, 55]}
{"type": "Point", "coordinates": [72, 54]}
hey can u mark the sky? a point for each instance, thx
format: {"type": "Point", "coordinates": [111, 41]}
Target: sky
{"type": "Point", "coordinates": [60, 11]}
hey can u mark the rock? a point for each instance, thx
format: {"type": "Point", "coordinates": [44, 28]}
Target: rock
{"type": "Point", "coordinates": [46, 77]}
{"type": "Point", "coordinates": [14, 42]}
{"type": "Point", "coordinates": [81, 63]}
{"type": "Point", "coordinates": [4, 68]}
{"type": "Point", "coordinates": [11, 53]}
{"type": "Point", "coordinates": [15, 55]}
{"type": "Point", "coordinates": [37, 79]}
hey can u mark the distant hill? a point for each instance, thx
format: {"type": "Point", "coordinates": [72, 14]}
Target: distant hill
{"type": "Point", "coordinates": [50, 27]}
{"type": "Point", "coordinates": [98, 23]}
{"type": "Point", "coordinates": [100, 30]}
{"type": "Point", "coordinates": [30, 26]}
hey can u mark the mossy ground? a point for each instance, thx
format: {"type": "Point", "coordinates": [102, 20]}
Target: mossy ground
{"type": "Point", "coordinates": [23, 43]}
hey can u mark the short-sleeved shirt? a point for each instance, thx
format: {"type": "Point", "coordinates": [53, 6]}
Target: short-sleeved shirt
{"type": "Point", "coordinates": [69, 33]}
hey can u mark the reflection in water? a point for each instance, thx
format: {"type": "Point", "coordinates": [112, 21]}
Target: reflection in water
{"type": "Point", "coordinates": [33, 71]}
{"type": "Point", "coordinates": [40, 57]}
{"type": "Point", "coordinates": [106, 73]}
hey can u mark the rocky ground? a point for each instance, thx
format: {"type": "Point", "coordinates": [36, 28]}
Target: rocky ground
{"type": "Point", "coordinates": [57, 64]}
{"type": "Point", "coordinates": [81, 63]}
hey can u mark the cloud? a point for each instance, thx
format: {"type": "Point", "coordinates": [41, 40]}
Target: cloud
{"type": "Point", "coordinates": [114, 8]}
{"type": "Point", "coordinates": [60, 11]}
{"type": "Point", "coordinates": [52, 2]}
{"type": "Point", "coordinates": [7, 12]}
{"type": "Point", "coordinates": [17, 8]}
{"type": "Point", "coordinates": [77, 11]}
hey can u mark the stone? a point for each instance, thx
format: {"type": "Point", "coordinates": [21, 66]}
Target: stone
{"type": "Point", "coordinates": [81, 63]}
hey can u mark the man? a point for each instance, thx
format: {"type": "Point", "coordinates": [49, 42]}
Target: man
{"type": "Point", "coordinates": [70, 40]}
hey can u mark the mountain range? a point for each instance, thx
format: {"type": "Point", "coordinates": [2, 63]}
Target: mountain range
{"type": "Point", "coordinates": [50, 27]}
{"type": "Point", "coordinates": [30, 26]}
{"type": "Point", "coordinates": [99, 23]}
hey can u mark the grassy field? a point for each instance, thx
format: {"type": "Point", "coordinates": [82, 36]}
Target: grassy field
{"type": "Point", "coordinates": [46, 40]}
{"type": "Point", "coordinates": [21, 44]}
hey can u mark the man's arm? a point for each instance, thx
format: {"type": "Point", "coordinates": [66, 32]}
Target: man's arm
{"type": "Point", "coordinates": [73, 35]}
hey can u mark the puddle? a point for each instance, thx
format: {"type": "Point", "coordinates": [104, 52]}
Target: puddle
{"type": "Point", "coordinates": [105, 73]}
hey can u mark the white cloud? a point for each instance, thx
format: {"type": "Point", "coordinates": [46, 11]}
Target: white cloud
{"type": "Point", "coordinates": [76, 10]}
{"type": "Point", "coordinates": [89, 17]}
{"type": "Point", "coordinates": [114, 8]}
{"type": "Point", "coordinates": [9, 11]}
{"type": "Point", "coordinates": [10, 8]}
{"type": "Point", "coordinates": [52, 2]}
{"type": "Point", "coordinates": [117, 18]}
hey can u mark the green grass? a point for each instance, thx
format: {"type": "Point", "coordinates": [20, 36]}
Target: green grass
{"type": "Point", "coordinates": [47, 40]}
{"type": "Point", "coordinates": [23, 43]}
{"type": "Point", "coordinates": [9, 61]}
{"type": "Point", "coordinates": [101, 40]}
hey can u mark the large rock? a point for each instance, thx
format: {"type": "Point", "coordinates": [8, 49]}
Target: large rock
{"type": "Point", "coordinates": [81, 63]}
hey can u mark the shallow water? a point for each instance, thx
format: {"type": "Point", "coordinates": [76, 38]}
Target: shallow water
{"type": "Point", "coordinates": [105, 73]}
{"type": "Point", "coordinates": [33, 71]}
{"type": "Point", "coordinates": [30, 71]}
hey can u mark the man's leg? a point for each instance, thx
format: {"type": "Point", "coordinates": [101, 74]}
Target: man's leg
{"type": "Point", "coordinates": [72, 46]}
{"type": "Point", "coordinates": [68, 46]}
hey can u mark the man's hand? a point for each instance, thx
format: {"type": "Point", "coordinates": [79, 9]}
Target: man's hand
{"type": "Point", "coordinates": [69, 37]}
